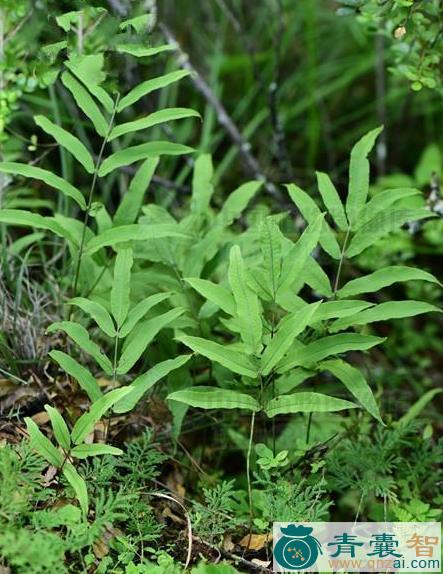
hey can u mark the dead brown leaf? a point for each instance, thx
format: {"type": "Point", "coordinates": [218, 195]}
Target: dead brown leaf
{"type": "Point", "coordinates": [255, 541]}
{"type": "Point", "coordinates": [40, 418]}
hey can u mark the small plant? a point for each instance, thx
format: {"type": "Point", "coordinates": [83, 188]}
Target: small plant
{"type": "Point", "coordinates": [72, 443]}
{"type": "Point", "coordinates": [210, 517]}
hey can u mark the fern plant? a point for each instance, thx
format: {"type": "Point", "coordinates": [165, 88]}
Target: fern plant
{"type": "Point", "coordinates": [279, 339]}
{"type": "Point", "coordinates": [272, 352]}
{"type": "Point", "coordinates": [83, 78]}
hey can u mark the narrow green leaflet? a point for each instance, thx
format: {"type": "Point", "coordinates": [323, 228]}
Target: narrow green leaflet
{"type": "Point", "coordinates": [154, 119]}
{"type": "Point", "coordinates": [134, 347]}
{"type": "Point", "coordinates": [81, 336]}
{"type": "Point", "coordinates": [23, 218]}
{"type": "Point", "coordinates": [359, 174]}
{"type": "Point", "coordinates": [383, 312]}
{"type": "Point", "coordinates": [298, 255]}
{"type": "Point", "coordinates": [418, 406]}
{"type": "Point", "coordinates": [97, 312]}
{"type": "Point", "coordinates": [356, 384]}
{"type": "Point", "coordinates": [213, 292]}
{"type": "Point", "coordinates": [139, 25]}
{"type": "Point", "coordinates": [149, 86]}
{"type": "Point", "coordinates": [246, 301]}
{"type": "Point", "coordinates": [143, 383]}
{"type": "Point", "coordinates": [291, 327]}
{"type": "Point", "coordinates": [68, 141]}
{"type": "Point", "coordinates": [142, 52]}
{"type": "Point", "coordinates": [61, 431]}
{"type": "Point", "coordinates": [332, 200]}
{"type": "Point", "coordinates": [137, 313]}
{"type": "Point", "coordinates": [85, 450]}
{"type": "Point", "coordinates": [23, 243]}
{"type": "Point", "coordinates": [43, 445]}
{"type": "Point", "coordinates": [86, 103]}
{"type": "Point", "coordinates": [383, 278]}
{"type": "Point", "coordinates": [310, 211]}
{"type": "Point", "coordinates": [271, 248]}
{"type": "Point", "coordinates": [132, 201]}
{"type": "Point", "coordinates": [46, 176]}
{"type": "Point", "coordinates": [132, 232]}
{"type": "Point", "coordinates": [129, 155]}
{"type": "Point", "coordinates": [381, 225]}
{"type": "Point", "coordinates": [306, 403]}
{"type": "Point", "coordinates": [236, 203]}
{"type": "Point", "coordinates": [202, 188]}
{"type": "Point", "coordinates": [327, 346]}
{"type": "Point", "coordinates": [121, 286]}
{"type": "Point", "coordinates": [84, 378]}
{"type": "Point", "coordinates": [316, 278]}
{"type": "Point", "coordinates": [338, 309]}
{"type": "Point", "coordinates": [229, 358]}
{"type": "Point", "coordinates": [382, 201]}
{"type": "Point", "coordinates": [79, 486]}
{"type": "Point", "coordinates": [205, 249]}
{"type": "Point", "coordinates": [89, 69]}
{"type": "Point", "coordinates": [85, 424]}
{"type": "Point", "coordinates": [213, 398]}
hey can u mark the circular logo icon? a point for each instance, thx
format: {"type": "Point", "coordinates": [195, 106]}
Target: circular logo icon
{"type": "Point", "coordinates": [296, 549]}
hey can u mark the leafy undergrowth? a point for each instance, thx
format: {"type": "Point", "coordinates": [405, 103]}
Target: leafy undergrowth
{"type": "Point", "coordinates": [152, 508]}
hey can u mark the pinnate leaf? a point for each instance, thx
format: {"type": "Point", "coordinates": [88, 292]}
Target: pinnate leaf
{"type": "Point", "coordinates": [143, 383]}
{"type": "Point", "coordinates": [359, 174]}
{"type": "Point", "coordinates": [61, 431]}
{"type": "Point", "coordinates": [68, 141]}
{"type": "Point", "coordinates": [383, 278]}
{"type": "Point", "coordinates": [46, 176]}
{"type": "Point", "coordinates": [86, 450]}
{"type": "Point", "coordinates": [325, 347]}
{"type": "Point", "coordinates": [246, 302]}
{"type": "Point", "coordinates": [130, 155]}
{"type": "Point", "coordinates": [43, 445]}
{"type": "Point", "coordinates": [86, 381]}
{"type": "Point", "coordinates": [85, 424]}
{"type": "Point", "coordinates": [81, 336]}
{"type": "Point", "coordinates": [213, 398]}
{"type": "Point", "coordinates": [306, 403]}
{"type": "Point", "coordinates": [232, 360]}
{"type": "Point", "coordinates": [121, 286]}
{"type": "Point", "coordinates": [97, 312]}
{"type": "Point", "coordinates": [356, 384]}
{"type": "Point", "coordinates": [383, 312]}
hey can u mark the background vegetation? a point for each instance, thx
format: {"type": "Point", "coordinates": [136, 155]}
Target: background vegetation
{"type": "Point", "coordinates": [190, 348]}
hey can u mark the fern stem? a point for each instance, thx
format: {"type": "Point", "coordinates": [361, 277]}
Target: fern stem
{"type": "Point", "coordinates": [91, 195]}
{"type": "Point", "coordinates": [248, 472]}
{"type": "Point", "coordinates": [308, 428]}
{"type": "Point", "coordinates": [340, 264]}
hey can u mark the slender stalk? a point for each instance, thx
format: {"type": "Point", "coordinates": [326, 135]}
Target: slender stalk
{"type": "Point", "coordinates": [308, 428]}
{"type": "Point", "coordinates": [91, 196]}
{"type": "Point", "coordinates": [340, 264]}
{"type": "Point", "coordinates": [248, 472]}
